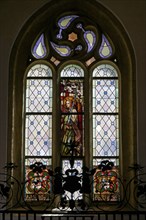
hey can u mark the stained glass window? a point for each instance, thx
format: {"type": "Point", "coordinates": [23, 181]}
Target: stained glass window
{"type": "Point", "coordinates": [38, 131]}
{"type": "Point", "coordinates": [72, 126]}
{"type": "Point", "coordinates": [76, 42]}
{"type": "Point", "coordinates": [72, 109]}
{"type": "Point", "coordinates": [105, 108]}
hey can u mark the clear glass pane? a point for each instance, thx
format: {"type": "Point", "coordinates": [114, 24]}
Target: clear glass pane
{"type": "Point", "coordinates": [38, 135]}
{"type": "Point", "coordinates": [105, 96]}
{"type": "Point", "coordinates": [105, 70]}
{"type": "Point", "coordinates": [47, 162]}
{"type": "Point", "coordinates": [39, 95]}
{"type": "Point", "coordinates": [72, 71]}
{"type": "Point", "coordinates": [40, 70]}
{"type": "Point", "coordinates": [105, 135]}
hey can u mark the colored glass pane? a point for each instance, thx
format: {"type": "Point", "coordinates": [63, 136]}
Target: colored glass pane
{"type": "Point", "coordinates": [106, 182]}
{"type": "Point", "coordinates": [105, 49]}
{"type": "Point", "coordinates": [39, 50]}
{"type": "Point", "coordinates": [63, 50]}
{"type": "Point", "coordinates": [72, 37]}
{"type": "Point", "coordinates": [72, 134]}
{"type": "Point", "coordinates": [38, 181]}
{"type": "Point", "coordinates": [90, 39]}
{"type": "Point", "coordinates": [55, 61]}
{"type": "Point", "coordinates": [90, 61]}
{"type": "Point", "coordinates": [71, 97]}
{"type": "Point", "coordinates": [38, 135]}
{"type": "Point", "coordinates": [64, 22]}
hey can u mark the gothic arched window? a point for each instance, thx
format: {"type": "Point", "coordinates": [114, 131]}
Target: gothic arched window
{"type": "Point", "coordinates": [74, 84]}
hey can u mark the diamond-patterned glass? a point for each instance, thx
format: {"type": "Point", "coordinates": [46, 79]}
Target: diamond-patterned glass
{"type": "Point", "coordinates": [105, 109]}
{"type": "Point", "coordinates": [40, 70]}
{"type": "Point", "coordinates": [72, 71]}
{"type": "Point", "coordinates": [105, 135]}
{"type": "Point", "coordinates": [105, 95]}
{"type": "Point", "coordinates": [38, 135]}
{"type": "Point", "coordinates": [105, 70]}
{"type": "Point", "coordinates": [39, 95]}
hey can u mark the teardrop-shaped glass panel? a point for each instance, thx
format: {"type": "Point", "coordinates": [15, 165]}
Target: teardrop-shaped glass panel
{"type": "Point", "coordinates": [90, 39]}
{"type": "Point", "coordinates": [105, 49]}
{"type": "Point", "coordinates": [65, 21]}
{"type": "Point", "coordinates": [39, 50]}
{"type": "Point", "coordinates": [62, 50]}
